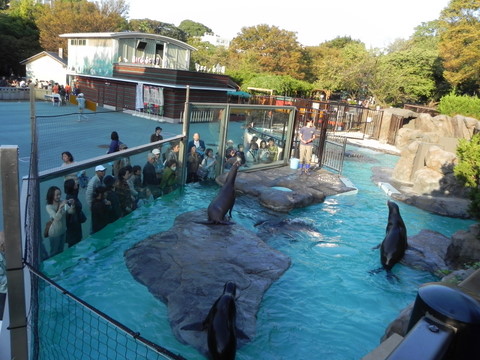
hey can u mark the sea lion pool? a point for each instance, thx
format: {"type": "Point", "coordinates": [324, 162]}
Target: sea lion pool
{"type": "Point", "coordinates": [326, 306]}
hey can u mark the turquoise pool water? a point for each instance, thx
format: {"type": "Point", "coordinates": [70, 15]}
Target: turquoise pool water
{"type": "Point", "coordinates": [326, 306]}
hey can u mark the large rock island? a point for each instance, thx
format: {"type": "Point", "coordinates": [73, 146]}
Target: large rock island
{"type": "Point", "coordinates": [187, 266]}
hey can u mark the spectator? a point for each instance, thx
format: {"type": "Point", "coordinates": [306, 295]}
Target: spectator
{"type": "Point", "coordinates": [150, 179]}
{"type": "Point", "coordinates": [56, 210]}
{"type": "Point", "coordinates": [158, 163]}
{"type": "Point", "coordinates": [193, 162]}
{"type": "Point", "coordinates": [115, 211]}
{"type": "Point", "coordinates": [172, 154]}
{"type": "Point", "coordinates": [75, 219]}
{"type": "Point", "coordinates": [122, 162]}
{"type": "Point", "coordinates": [263, 152]}
{"type": "Point", "coordinates": [209, 164]}
{"type": "Point", "coordinates": [101, 210]}
{"type": "Point", "coordinates": [252, 153]}
{"type": "Point", "coordinates": [272, 150]}
{"type": "Point", "coordinates": [241, 154]}
{"type": "Point", "coordinates": [156, 135]}
{"type": "Point", "coordinates": [94, 182]}
{"type": "Point", "coordinates": [127, 204]}
{"type": "Point", "coordinates": [199, 145]}
{"type": "Point", "coordinates": [115, 143]}
{"type": "Point", "coordinates": [169, 177]}
{"type": "Point", "coordinates": [136, 179]}
{"type": "Point", "coordinates": [67, 159]}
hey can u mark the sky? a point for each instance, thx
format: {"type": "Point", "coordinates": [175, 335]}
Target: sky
{"type": "Point", "coordinates": [377, 23]}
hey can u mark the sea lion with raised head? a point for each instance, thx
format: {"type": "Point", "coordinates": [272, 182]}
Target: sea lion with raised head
{"type": "Point", "coordinates": [224, 200]}
{"type": "Point", "coordinates": [394, 245]}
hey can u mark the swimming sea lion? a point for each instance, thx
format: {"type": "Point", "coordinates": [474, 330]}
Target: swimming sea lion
{"type": "Point", "coordinates": [220, 325]}
{"type": "Point", "coordinates": [393, 246]}
{"type": "Point", "coordinates": [224, 200]}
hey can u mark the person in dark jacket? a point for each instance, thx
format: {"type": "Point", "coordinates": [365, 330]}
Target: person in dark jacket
{"type": "Point", "coordinates": [77, 218]}
{"type": "Point", "coordinates": [101, 208]}
{"type": "Point", "coordinates": [150, 179]}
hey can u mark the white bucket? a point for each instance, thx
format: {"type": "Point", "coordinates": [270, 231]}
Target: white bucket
{"type": "Point", "coordinates": [294, 163]}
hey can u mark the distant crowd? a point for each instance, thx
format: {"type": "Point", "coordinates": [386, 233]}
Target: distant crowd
{"type": "Point", "coordinates": [129, 186]}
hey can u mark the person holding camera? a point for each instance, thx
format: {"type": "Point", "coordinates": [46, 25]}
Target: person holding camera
{"type": "Point", "coordinates": [57, 210]}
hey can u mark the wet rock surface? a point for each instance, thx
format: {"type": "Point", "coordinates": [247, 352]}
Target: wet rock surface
{"type": "Point", "coordinates": [187, 267]}
{"type": "Point", "coordinates": [305, 189]}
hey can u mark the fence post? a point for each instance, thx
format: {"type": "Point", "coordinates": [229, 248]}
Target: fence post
{"type": "Point", "coordinates": [13, 252]}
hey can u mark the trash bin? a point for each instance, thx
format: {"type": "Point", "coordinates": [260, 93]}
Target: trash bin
{"type": "Point", "coordinates": [294, 163]}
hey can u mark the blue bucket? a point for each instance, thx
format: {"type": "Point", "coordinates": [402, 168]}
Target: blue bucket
{"type": "Point", "coordinates": [294, 163]}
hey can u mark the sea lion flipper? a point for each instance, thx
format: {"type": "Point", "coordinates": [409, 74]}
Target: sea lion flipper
{"type": "Point", "coordinates": [377, 247]}
{"type": "Point", "coordinates": [241, 334]}
{"type": "Point", "coordinates": [198, 326]}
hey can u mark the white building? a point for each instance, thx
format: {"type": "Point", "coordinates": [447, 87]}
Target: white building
{"type": "Point", "coordinates": [46, 66]}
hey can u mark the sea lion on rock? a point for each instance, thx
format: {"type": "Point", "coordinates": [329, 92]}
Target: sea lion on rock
{"type": "Point", "coordinates": [220, 325]}
{"type": "Point", "coordinates": [393, 246]}
{"type": "Point", "coordinates": [224, 200]}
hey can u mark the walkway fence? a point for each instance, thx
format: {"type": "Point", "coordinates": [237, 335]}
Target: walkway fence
{"type": "Point", "coordinates": [353, 121]}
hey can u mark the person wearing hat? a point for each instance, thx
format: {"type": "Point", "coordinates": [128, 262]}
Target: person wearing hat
{"type": "Point", "coordinates": [95, 182]}
{"type": "Point", "coordinates": [81, 105]}
{"type": "Point", "coordinates": [158, 163]}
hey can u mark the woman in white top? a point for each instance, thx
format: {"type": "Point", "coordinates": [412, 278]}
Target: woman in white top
{"type": "Point", "coordinates": [208, 164]}
{"type": "Point", "coordinates": [56, 210]}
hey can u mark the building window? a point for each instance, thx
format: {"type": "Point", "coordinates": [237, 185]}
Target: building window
{"type": "Point", "coordinates": [81, 42]}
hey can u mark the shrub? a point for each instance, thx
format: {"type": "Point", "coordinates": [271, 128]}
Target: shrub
{"type": "Point", "coordinates": [463, 105]}
{"type": "Point", "coordinates": [468, 170]}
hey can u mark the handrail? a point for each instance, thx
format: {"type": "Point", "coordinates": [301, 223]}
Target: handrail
{"type": "Point", "coordinates": [80, 165]}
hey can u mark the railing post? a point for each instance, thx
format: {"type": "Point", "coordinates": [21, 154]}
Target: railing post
{"type": "Point", "coordinates": [13, 252]}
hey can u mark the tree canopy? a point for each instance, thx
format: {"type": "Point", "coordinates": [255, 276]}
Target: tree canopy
{"type": "Point", "coordinates": [265, 48]}
{"type": "Point", "coordinates": [70, 16]}
{"type": "Point", "coordinates": [460, 44]}
{"type": "Point", "coordinates": [192, 28]}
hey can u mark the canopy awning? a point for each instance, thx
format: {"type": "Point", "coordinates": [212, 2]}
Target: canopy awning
{"type": "Point", "coordinates": [239, 93]}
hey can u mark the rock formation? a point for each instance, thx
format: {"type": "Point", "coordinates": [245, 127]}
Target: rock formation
{"type": "Point", "coordinates": [304, 190]}
{"type": "Point", "coordinates": [187, 266]}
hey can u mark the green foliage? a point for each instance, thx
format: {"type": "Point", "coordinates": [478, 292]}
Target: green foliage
{"type": "Point", "coordinates": [282, 84]}
{"type": "Point", "coordinates": [265, 48]}
{"type": "Point", "coordinates": [460, 44]}
{"type": "Point", "coordinates": [18, 41]}
{"type": "Point", "coordinates": [157, 27]}
{"type": "Point", "coordinates": [468, 170]}
{"type": "Point", "coordinates": [192, 28]}
{"type": "Point", "coordinates": [463, 105]}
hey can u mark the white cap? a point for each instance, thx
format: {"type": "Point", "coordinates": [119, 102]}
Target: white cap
{"type": "Point", "coordinates": [156, 151]}
{"type": "Point", "coordinates": [80, 95]}
{"type": "Point", "coordinates": [99, 168]}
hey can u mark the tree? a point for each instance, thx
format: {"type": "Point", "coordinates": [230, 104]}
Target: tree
{"type": "Point", "coordinates": [70, 16]}
{"type": "Point", "coordinates": [342, 64]}
{"type": "Point", "coordinates": [157, 27]}
{"type": "Point", "coordinates": [468, 170]}
{"type": "Point", "coordinates": [265, 48]}
{"type": "Point", "coordinates": [207, 55]}
{"type": "Point", "coordinates": [19, 37]}
{"type": "Point", "coordinates": [460, 44]}
{"type": "Point", "coordinates": [192, 28]}
{"type": "Point", "coordinates": [404, 76]}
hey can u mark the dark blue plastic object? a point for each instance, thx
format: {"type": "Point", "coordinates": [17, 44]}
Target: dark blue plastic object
{"type": "Point", "coordinates": [428, 340]}
{"type": "Point", "coordinates": [459, 310]}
